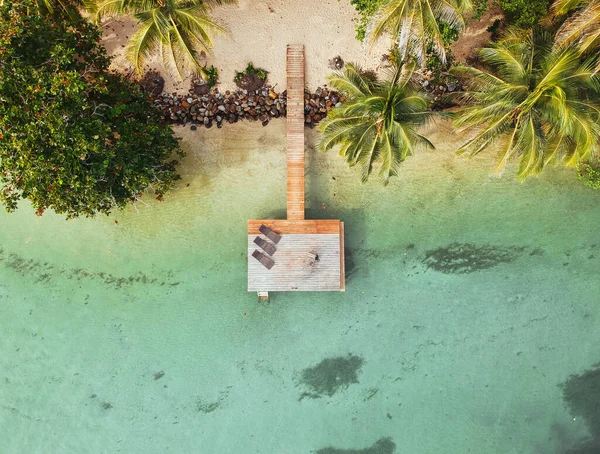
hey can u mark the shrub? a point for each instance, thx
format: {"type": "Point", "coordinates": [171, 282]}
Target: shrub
{"type": "Point", "coordinates": [589, 173]}
{"type": "Point", "coordinates": [366, 10]}
{"type": "Point", "coordinates": [449, 35]}
{"type": "Point", "coordinates": [250, 69]}
{"type": "Point", "coordinates": [524, 13]}
{"type": "Point", "coordinates": [74, 137]}
{"type": "Point", "coordinates": [211, 75]}
{"type": "Point", "coordinates": [479, 7]}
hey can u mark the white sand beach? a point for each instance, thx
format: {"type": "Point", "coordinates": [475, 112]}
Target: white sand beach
{"type": "Point", "coordinates": [259, 32]}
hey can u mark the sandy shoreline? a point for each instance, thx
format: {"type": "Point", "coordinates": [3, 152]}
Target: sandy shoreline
{"type": "Point", "coordinates": [259, 32]}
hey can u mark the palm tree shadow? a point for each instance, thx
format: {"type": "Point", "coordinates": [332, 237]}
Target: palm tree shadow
{"type": "Point", "coordinates": [116, 34]}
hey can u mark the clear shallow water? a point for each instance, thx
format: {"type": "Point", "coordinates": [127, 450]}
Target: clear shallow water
{"type": "Point", "coordinates": [470, 302]}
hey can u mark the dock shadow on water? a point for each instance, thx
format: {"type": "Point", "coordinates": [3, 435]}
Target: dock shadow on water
{"type": "Point", "coordinates": [381, 446]}
{"type": "Point", "coordinates": [464, 258]}
{"type": "Point", "coordinates": [581, 394]}
{"type": "Point", "coordinates": [330, 376]}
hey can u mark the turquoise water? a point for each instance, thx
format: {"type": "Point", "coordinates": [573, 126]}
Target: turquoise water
{"type": "Point", "coordinates": [468, 324]}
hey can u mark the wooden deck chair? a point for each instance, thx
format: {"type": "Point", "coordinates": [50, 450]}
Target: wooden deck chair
{"type": "Point", "coordinates": [265, 245]}
{"type": "Point", "coordinates": [262, 258]}
{"type": "Point", "coordinates": [266, 231]}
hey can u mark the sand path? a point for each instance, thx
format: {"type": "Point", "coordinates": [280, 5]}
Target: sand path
{"type": "Point", "coordinates": [475, 34]}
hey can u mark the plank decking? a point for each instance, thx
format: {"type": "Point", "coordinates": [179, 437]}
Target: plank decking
{"type": "Point", "coordinates": [295, 132]}
{"type": "Point", "coordinates": [295, 267]}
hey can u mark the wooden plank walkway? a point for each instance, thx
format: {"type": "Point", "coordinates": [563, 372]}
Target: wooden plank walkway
{"type": "Point", "coordinates": [295, 131]}
{"type": "Point", "coordinates": [299, 237]}
{"type": "Point", "coordinates": [285, 226]}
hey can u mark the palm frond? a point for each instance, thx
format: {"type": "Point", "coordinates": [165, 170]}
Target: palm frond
{"type": "Point", "coordinates": [538, 104]}
{"type": "Point", "coordinates": [377, 123]}
{"type": "Point", "coordinates": [414, 24]}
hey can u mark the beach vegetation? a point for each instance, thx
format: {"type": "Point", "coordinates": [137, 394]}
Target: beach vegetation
{"type": "Point", "coordinates": [494, 29]}
{"type": "Point", "coordinates": [524, 13]}
{"type": "Point", "coordinates": [449, 36]}
{"type": "Point", "coordinates": [366, 10]}
{"type": "Point", "coordinates": [251, 70]}
{"type": "Point", "coordinates": [66, 6]}
{"type": "Point", "coordinates": [211, 76]}
{"type": "Point", "coordinates": [378, 122]}
{"type": "Point", "coordinates": [251, 78]}
{"type": "Point", "coordinates": [589, 173]}
{"type": "Point", "coordinates": [74, 137]}
{"type": "Point", "coordinates": [535, 104]}
{"type": "Point", "coordinates": [479, 7]}
{"type": "Point", "coordinates": [581, 27]}
{"type": "Point", "coordinates": [178, 31]}
{"type": "Point", "coordinates": [415, 26]}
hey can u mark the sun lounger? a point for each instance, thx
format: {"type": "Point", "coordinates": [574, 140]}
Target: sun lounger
{"type": "Point", "coordinates": [265, 245]}
{"type": "Point", "coordinates": [262, 258]}
{"type": "Point", "coordinates": [266, 231]}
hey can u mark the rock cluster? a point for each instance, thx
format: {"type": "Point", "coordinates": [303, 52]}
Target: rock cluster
{"type": "Point", "coordinates": [438, 84]}
{"type": "Point", "coordinates": [214, 108]}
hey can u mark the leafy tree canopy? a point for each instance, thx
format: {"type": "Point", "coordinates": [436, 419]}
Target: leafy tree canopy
{"type": "Point", "coordinates": [524, 13]}
{"type": "Point", "coordinates": [73, 136]}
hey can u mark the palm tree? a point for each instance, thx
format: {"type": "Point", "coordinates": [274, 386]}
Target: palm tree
{"type": "Point", "coordinates": [582, 28]}
{"type": "Point", "coordinates": [68, 6]}
{"type": "Point", "coordinates": [414, 25]}
{"type": "Point", "coordinates": [377, 122]}
{"type": "Point", "coordinates": [536, 103]}
{"type": "Point", "coordinates": [177, 30]}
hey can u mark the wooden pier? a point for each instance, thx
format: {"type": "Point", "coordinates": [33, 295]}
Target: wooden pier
{"type": "Point", "coordinates": [295, 131]}
{"type": "Point", "coordinates": [310, 254]}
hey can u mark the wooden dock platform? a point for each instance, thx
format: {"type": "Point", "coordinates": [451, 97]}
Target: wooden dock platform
{"type": "Point", "coordinates": [309, 254]}
{"type": "Point", "coordinates": [295, 131]}
{"type": "Point", "coordinates": [291, 272]}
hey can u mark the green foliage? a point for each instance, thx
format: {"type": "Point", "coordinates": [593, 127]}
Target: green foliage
{"type": "Point", "coordinates": [479, 7]}
{"type": "Point", "coordinates": [378, 121]}
{"type": "Point", "coordinates": [250, 69]}
{"type": "Point", "coordinates": [537, 104]}
{"type": "Point", "coordinates": [179, 31]}
{"type": "Point", "coordinates": [415, 25]}
{"type": "Point", "coordinates": [582, 28]}
{"type": "Point", "coordinates": [524, 13]}
{"type": "Point", "coordinates": [366, 10]}
{"type": "Point", "coordinates": [73, 137]}
{"type": "Point", "coordinates": [494, 28]}
{"type": "Point", "coordinates": [589, 173]}
{"type": "Point", "coordinates": [449, 35]}
{"type": "Point", "coordinates": [211, 75]}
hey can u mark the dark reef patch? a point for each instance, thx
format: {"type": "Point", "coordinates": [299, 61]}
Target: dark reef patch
{"type": "Point", "coordinates": [464, 258]}
{"type": "Point", "coordinates": [381, 446]}
{"type": "Point", "coordinates": [206, 407]}
{"type": "Point", "coordinates": [581, 394]}
{"type": "Point", "coordinates": [43, 272]}
{"type": "Point", "coordinates": [330, 375]}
